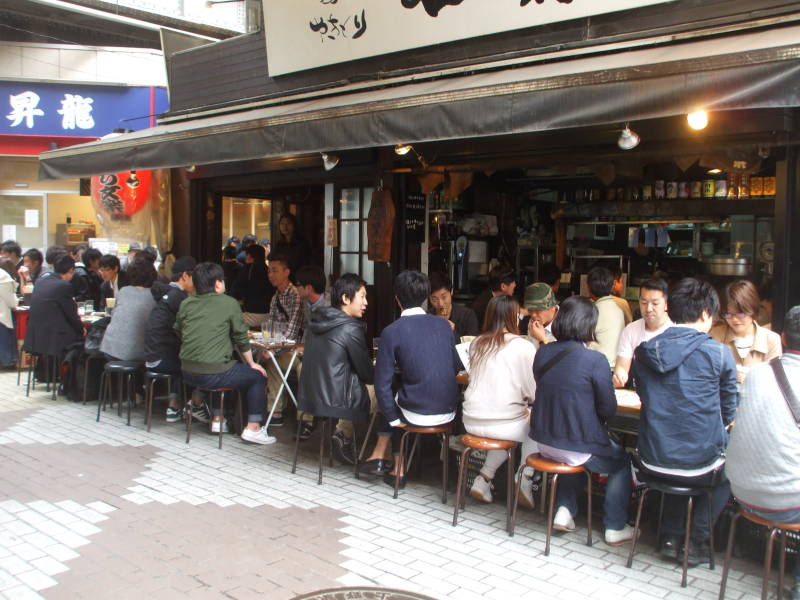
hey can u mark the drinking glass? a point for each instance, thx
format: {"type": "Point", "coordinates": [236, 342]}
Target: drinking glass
{"type": "Point", "coordinates": [88, 307]}
{"type": "Point", "coordinates": [266, 330]}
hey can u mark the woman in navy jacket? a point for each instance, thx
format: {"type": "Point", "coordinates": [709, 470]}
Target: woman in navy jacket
{"type": "Point", "coordinates": [574, 397]}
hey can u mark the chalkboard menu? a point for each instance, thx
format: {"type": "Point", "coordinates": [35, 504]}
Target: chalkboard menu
{"type": "Point", "coordinates": [415, 218]}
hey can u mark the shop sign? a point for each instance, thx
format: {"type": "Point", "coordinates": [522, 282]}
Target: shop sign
{"type": "Point", "coordinates": [66, 110]}
{"type": "Point", "coordinates": [305, 34]}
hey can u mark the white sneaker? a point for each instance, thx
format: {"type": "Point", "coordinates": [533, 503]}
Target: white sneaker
{"type": "Point", "coordinates": [215, 425]}
{"type": "Point", "coordinates": [525, 496]}
{"type": "Point", "coordinates": [563, 520]}
{"type": "Point", "coordinates": [481, 490]}
{"type": "Point", "coordinates": [617, 537]}
{"type": "Point", "coordinates": [258, 437]}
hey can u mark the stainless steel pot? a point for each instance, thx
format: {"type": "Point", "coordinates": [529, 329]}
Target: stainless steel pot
{"type": "Point", "coordinates": [730, 267]}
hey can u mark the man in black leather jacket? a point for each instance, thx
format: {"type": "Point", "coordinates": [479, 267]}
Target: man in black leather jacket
{"type": "Point", "coordinates": [336, 361]}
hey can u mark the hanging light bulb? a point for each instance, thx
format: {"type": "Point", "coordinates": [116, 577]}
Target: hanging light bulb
{"type": "Point", "coordinates": [133, 180]}
{"type": "Point", "coordinates": [402, 149]}
{"type": "Point", "coordinates": [329, 161]}
{"type": "Point", "coordinates": [697, 119]}
{"type": "Point", "coordinates": [628, 139]}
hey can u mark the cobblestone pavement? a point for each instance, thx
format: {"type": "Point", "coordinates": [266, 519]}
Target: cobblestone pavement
{"type": "Point", "coordinates": [103, 510]}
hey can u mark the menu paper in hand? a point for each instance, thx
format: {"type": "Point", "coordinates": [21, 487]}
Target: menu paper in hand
{"type": "Point", "coordinates": [463, 354]}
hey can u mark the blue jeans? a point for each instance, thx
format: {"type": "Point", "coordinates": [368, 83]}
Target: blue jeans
{"type": "Point", "coordinates": [673, 521]}
{"type": "Point", "coordinates": [618, 489]}
{"type": "Point", "coordinates": [249, 381]}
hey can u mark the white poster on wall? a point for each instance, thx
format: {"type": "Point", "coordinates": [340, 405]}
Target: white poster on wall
{"type": "Point", "coordinates": [9, 232]}
{"type": "Point", "coordinates": [31, 218]}
{"type": "Point", "coordinates": [304, 34]}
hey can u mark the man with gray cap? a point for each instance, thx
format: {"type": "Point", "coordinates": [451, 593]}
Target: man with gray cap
{"type": "Point", "coordinates": [542, 307]}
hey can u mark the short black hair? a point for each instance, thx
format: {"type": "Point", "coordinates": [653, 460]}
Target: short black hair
{"type": "Point", "coordinates": [500, 276]}
{"type": "Point", "coordinates": [91, 255]}
{"type": "Point", "coordinates": [63, 263]}
{"type": "Point", "coordinates": [791, 328]}
{"type": "Point", "coordinates": [347, 285]}
{"type": "Point", "coordinates": [205, 276]}
{"type": "Point", "coordinates": [11, 247]}
{"type": "Point", "coordinates": [657, 284]}
{"type": "Point", "coordinates": [576, 320]}
{"type": "Point", "coordinates": [233, 240]}
{"type": "Point", "coordinates": [277, 257]}
{"type": "Point", "coordinates": [80, 249]}
{"type": "Point", "coordinates": [34, 254]}
{"type": "Point", "coordinates": [439, 281]}
{"type": "Point", "coordinates": [229, 252]}
{"type": "Point", "coordinates": [150, 253]}
{"type": "Point", "coordinates": [412, 288]}
{"type": "Point", "coordinates": [248, 240]}
{"type": "Point", "coordinates": [313, 276]}
{"type": "Point", "coordinates": [600, 281]}
{"type": "Point", "coordinates": [257, 252]}
{"type": "Point", "coordinates": [550, 274]}
{"type": "Point", "coordinates": [109, 261]}
{"type": "Point", "coordinates": [141, 272]}
{"type": "Point", "coordinates": [689, 298]}
{"type": "Point", "coordinates": [53, 252]}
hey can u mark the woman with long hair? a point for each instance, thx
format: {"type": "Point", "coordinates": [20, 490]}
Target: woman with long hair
{"type": "Point", "coordinates": [749, 342]}
{"type": "Point", "coordinates": [501, 389]}
{"type": "Point", "coordinates": [291, 244]}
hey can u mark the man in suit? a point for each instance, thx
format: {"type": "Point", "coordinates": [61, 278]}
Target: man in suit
{"type": "Point", "coordinates": [53, 322]}
{"type": "Point", "coordinates": [113, 278]}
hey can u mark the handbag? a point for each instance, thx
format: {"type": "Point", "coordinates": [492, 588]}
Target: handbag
{"type": "Point", "coordinates": [786, 389]}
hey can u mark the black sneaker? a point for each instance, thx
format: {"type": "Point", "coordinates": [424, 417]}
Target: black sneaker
{"type": "Point", "coordinates": [277, 421]}
{"type": "Point", "coordinates": [670, 547]}
{"type": "Point", "coordinates": [200, 413]}
{"type": "Point", "coordinates": [698, 553]}
{"type": "Point", "coordinates": [343, 449]}
{"type": "Point", "coordinates": [306, 430]}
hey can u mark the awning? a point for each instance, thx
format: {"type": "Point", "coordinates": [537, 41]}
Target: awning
{"type": "Point", "coordinates": [753, 70]}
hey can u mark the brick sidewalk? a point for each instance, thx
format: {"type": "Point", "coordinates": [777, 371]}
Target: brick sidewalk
{"type": "Point", "coordinates": [99, 510]}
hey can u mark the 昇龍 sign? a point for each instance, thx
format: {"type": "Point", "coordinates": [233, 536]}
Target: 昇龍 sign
{"type": "Point", "coordinates": [304, 34]}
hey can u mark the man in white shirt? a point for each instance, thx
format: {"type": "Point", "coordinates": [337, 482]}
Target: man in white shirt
{"type": "Point", "coordinates": [610, 318]}
{"type": "Point", "coordinates": [654, 321]}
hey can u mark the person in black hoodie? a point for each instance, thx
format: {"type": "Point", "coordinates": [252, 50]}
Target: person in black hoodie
{"type": "Point", "coordinates": [162, 345]}
{"type": "Point", "coordinates": [687, 383]}
{"type": "Point", "coordinates": [252, 287]}
{"type": "Point", "coordinates": [336, 361]}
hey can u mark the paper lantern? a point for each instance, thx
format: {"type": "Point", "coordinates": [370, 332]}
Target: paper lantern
{"type": "Point", "coordinates": [121, 195]}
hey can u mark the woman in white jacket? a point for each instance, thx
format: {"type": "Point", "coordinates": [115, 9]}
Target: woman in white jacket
{"type": "Point", "coordinates": [501, 390]}
{"type": "Point", "coordinates": [8, 301]}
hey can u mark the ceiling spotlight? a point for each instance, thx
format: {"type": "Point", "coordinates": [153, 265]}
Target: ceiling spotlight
{"type": "Point", "coordinates": [133, 180]}
{"type": "Point", "coordinates": [191, 168]}
{"type": "Point", "coordinates": [628, 139]}
{"type": "Point", "coordinates": [329, 161]}
{"type": "Point", "coordinates": [697, 119]}
{"type": "Point", "coordinates": [714, 171]}
{"type": "Point", "coordinates": [402, 149]}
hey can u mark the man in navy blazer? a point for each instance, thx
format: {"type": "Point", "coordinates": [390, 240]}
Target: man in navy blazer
{"type": "Point", "coordinates": [414, 374]}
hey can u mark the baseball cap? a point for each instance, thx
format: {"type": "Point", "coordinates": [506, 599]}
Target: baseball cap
{"type": "Point", "coordinates": [185, 264]}
{"type": "Point", "coordinates": [539, 296]}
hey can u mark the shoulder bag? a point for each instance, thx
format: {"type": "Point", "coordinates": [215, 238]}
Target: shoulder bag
{"type": "Point", "coordinates": [786, 389]}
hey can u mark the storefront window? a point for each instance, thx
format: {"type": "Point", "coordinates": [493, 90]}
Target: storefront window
{"type": "Point", "coordinates": [21, 218]}
{"type": "Point", "coordinates": [243, 216]}
{"type": "Point", "coordinates": [354, 205]}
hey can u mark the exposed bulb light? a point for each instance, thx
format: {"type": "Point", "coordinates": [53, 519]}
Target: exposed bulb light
{"type": "Point", "coordinates": [628, 139]}
{"type": "Point", "coordinates": [191, 168]}
{"type": "Point", "coordinates": [698, 119]}
{"type": "Point", "coordinates": [714, 171]}
{"type": "Point", "coordinates": [402, 149]}
{"type": "Point", "coordinates": [329, 161]}
{"type": "Point", "coordinates": [133, 180]}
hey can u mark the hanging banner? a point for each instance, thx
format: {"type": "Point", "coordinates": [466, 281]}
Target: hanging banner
{"type": "Point", "coordinates": [125, 203]}
{"type": "Point", "coordinates": [304, 34]}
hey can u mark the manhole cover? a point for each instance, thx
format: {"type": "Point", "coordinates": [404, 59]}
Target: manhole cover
{"type": "Point", "coordinates": [362, 593]}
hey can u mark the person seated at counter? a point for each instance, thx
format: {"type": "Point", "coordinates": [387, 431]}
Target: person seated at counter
{"type": "Point", "coordinates": [654, 321]}
{"type": "Point", "coordinates": [618, 294]}
{"type": "Point", "coordinates": [500, 392]}
{"type": "Point", "coordinates": [415, 374]}
{"type": "Point", "coordinates": [124, 337]}
{"type": "Point", "coordinates": [611, 319]}
{"type": "Point", "coordinates": [462, 320]}
{"type": "Point", "coordinates": [750, 344]}
{"type": "Point", "coordinates": [81, 284]}
{"type": "Point", "coordinates": [230, 266]}
{"type": "Point", "coordinates": [574, 397]}
{"type": "Point", "coordinates": [542, 307]}
{"type": "Point", "coordinates": [501, 281]}
{"type": "Point", "coordinates": [763, 456]}
{"type": "Point", "coordinates": [53, 322]}
{"type": "Point", "coordinates": [11, 250]}
{"type": "Point", "coordinates": [687, 385]}
{"type": "Point", "coordinates": [32, 268]}
{"type": "Point", "coordinates": [8, 302]}
{"type": "Point", "coordinates": [91, 260]}
{"type": "Point", "coordinates": [113, 278]}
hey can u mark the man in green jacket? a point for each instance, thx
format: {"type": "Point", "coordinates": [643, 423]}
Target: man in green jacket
{"type": "Point", "coordinates": [210, 326]}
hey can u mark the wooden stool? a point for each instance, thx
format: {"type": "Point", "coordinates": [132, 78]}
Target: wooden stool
{"type": "Point", "coordinates": [774, 529]}
{"type": "Point", "coordinates": [441, 431]}
{"type": "Point", "coordinates": [125, 371]}
{"type": "Point", "coordinates": [664, 485]}
{"type": "Point", "coordinates": [550, 467]}
{"type": "Point", "coordinates": [473, 442]}
{"type": "Point", "coordinates": [150, 379]}
{"type": "Point", "coordinates": [326, 435]}
{"type": "Point", "coordinates": [221, 391]}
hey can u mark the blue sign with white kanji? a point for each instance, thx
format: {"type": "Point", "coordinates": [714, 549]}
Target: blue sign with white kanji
{"type": "Point", "coordinates": [60, 109]}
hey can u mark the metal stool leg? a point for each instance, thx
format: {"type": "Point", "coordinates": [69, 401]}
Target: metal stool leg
{"type": "Point", "coordinates": [461, 484]}
{"type": "Point", "coordinates": [400, 465]}
{"type": "Point", "coordinates": [588, 508]}
{"type": "Point", "coordinates": [551, 505]}
{"type": "Point", "coordinates": [728, 554]}
{"type": "Point", "coordinates": [148, 410]}
{"type": "Point", "coordinates": [509, 485]}
{"type": "Point", "coordinates": [768, 565]}
{"type": "Point", "coordinates": [782, 565]}
{"type": "Point", "coordinates": [710, 532]}
{"type": "Point", "coordinates": [329, 438]}
{"type": "Point", "coordinates": [101, 403]}
{"type": "Point", "coordinates": [636, 526]}
{"type": "Point", "coordinates": [516, 497]}
{"type": "Point", "coordinates": [322, 442]}
{"type": "Point", "coordinates": [131, 395]}
{"type": "Point", "coordinates": [687, 539]}
{"type": "Point", "coordinates": [32, 362]}
{"type": "Point", "coordinates": [356, 453]}
{"type": "Point", "coordinates": [445, 465]}
{"type": "Point", "coordinates": [222, 414]}
{"type": "Point", "coordinates": [189, 418]}
{"type": "Point", "coordinates": [297, 442]}
{"type": "Point", "coordinates": [370, 427]}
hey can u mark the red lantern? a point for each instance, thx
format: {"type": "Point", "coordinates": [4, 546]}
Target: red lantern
{"type": "Point", "coordinates": [121, 195]}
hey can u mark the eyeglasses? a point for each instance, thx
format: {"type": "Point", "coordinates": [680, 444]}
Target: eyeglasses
{"type": "Point", "coordinates": [739, 315]}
